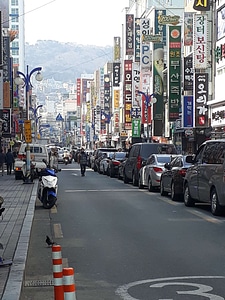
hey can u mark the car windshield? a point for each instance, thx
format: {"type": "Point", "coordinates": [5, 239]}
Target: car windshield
{"type": "Point", "coordinates": [164, 159]}
{"type": "Point", "coordinates": [120, 155]}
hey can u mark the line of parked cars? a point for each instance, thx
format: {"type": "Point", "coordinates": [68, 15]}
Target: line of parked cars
{"type": "Point", "coordinates": [198, 178]}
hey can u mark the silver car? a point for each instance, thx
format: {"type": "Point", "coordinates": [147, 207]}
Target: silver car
{"type": "Point", "coordinates": [150, 174]}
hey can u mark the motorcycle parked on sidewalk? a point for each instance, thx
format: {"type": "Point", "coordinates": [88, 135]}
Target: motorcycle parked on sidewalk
{"type": "Point", "coordinates": [48, 185]}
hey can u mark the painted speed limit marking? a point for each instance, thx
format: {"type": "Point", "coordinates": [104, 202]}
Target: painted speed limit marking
{"type": "Point", "coordinates": [195, 289]}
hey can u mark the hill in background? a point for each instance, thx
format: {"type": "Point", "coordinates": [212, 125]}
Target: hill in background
{"type": "Point", "coordinates": [66, 61]}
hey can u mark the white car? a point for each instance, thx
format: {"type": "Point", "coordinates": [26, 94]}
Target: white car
{"type": "Point", "coordinates": [150, 173]}
{"type": "Point", "coordinates": [104, 162]}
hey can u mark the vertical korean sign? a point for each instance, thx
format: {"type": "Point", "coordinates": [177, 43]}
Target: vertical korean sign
{"type": "Point", "coordinates": [201, 97]}
{"type": "Point", "coordinates": [129, 34]}
{"type": "Point", "coordinates": [137, 41]}
{"type": "Point", "coordinates": [188, 109]}
{"type": "Point", "coordinates": [158, 67]}
{"type": "Point", "coordinates": [136, 99]}
{"type": "Point", "coordinates": [117, 48]}
{"type": "Point", "coordinates": [200, 47]}
{"type": "Point", "coordinates": [174, 74]}
{"type": "Point", "coordinates": [127, 93]}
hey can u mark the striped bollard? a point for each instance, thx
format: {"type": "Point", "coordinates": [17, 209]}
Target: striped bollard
{"type": "Point", "coordinates": [68, 284]}
{"type": "Point", "coordinates": [57, 272]}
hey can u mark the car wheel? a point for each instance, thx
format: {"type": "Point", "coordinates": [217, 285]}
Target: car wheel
{"type": "Point", "coordinates": [188, 201]}
{"type": "Point", "coordinates": [150, 186]}
{"type": "Point", "coordinates": [134, 180]}
{"type": "Point", "coordinates": [162, 192]}
{"type": "Point", "coordinates": [140, 185]}
{"type": "Point", "coordinates": [174, 196]}
{"type": "Point", "coordinates": [125, 179]}
{"type": "Point", "coordinates": [216, 208]}
{"type": "Point", "coordinates": [111, 173]}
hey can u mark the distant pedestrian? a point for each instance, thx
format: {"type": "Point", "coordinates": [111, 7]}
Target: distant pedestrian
{"type": "Point", "coordinates": [9, 159]}
{"type": "Point", "coordinates": [82, 160]}
{"type": "Point", "coordinates": [2, 161]}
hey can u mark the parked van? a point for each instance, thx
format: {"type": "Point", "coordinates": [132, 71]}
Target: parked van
{"type": "Point", "coordinates": [138, 155]}
{"type": "Point", "coordinates": [205, 179]}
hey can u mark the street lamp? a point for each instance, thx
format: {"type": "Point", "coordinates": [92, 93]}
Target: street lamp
{"type": "Point", "coordinates": [36, 119]}
{"type": "Point", "coordinates": [149, 101]}
{"type": "Point", "coordinates": [25, 80]}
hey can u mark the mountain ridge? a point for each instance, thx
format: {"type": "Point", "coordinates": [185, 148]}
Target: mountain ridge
{"type": "Point", "coordinates": [66, 61]}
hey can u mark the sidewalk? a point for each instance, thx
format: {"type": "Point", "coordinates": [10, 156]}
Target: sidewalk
{"type": "Point", "coordinates": [15, 229]}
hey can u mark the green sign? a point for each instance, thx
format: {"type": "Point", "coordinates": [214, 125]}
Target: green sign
{"type": "Point", "coordinates": [136, 128]}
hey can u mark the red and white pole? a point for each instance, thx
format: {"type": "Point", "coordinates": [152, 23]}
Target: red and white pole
{"type": "Point", "coordinates": [68, 284]}
{"type": "Point", "coordinates": [57, 272]}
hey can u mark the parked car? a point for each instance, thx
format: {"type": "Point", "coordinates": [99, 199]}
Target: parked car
{"type": "Point", "coordinates": [204, 180]}
{"type": "Point", "coordinates": [138, 155]}
{"type": "Point", "coordinates": [150, 174]}
{"type": "Point", "coordinates": [114, 162]}
{"type": "Point", "coordinates": [172, 178]}
{"type": "Point", "coordinates": [104, 162]}
{"type": "Point", "coordinates": [97, 153]}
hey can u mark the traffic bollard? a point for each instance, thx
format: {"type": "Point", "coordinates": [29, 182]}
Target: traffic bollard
{"type": "Point", "coordinates": [57, 272]}
{"type": "Point", "coordinates": [68, 284]}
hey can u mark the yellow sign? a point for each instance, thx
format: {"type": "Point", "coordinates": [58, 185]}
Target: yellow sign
{"type": "Point", "coordinates": [27, 131]}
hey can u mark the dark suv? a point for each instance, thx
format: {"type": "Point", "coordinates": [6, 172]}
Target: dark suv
{"type": "Point", "coordinates": [205, 179]}
{"type": "Point", "coordinates": [138, 155]}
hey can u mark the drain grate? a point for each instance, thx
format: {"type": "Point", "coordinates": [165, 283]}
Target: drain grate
{"type": "Point", "coordinates": [38, 282]}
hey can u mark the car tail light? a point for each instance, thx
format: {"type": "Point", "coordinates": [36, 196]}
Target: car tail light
{"type": "Point", "coordinates": [157, 169]}
{"type": "Point", "coordinates": [116, 163]}
{"type": "Point", "coordinates": [139, 160]}
{"type": "Point", "coordinates": [182, 172]}
{"type": "Point", "coordinates": [18, 169]}
{"type": "Point", "coordinates": [21, 156]}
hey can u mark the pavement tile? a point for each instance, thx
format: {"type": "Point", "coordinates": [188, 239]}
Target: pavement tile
{"type": "Point", "coordinates": [15, 230]}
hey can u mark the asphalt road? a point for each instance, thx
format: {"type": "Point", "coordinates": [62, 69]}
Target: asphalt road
{"type": "Point", "coordinates": [126, 243]}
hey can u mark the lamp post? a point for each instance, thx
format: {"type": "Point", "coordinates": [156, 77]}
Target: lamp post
{"type": "Point", "coordinates": [25, 80]}
{"type": "Point", "coordinates": [36, 119]}
{"type": "Point", "coordinates": [149, 101]}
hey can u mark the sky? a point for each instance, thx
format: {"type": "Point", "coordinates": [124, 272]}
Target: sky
{"type": "Point", "coordinates": [87, 22]}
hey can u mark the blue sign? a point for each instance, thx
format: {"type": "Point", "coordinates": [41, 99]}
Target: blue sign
{"type": "Point", "coordinates": [59, 118]}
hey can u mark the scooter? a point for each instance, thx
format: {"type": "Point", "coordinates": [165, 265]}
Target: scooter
{"type": "Point", "coordinates": [66, 160]}
{"type": "Point", "coordinates": [48, 185]}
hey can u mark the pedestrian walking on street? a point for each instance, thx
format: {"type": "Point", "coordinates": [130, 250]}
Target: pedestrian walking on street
{"type": "Point", "coordinates": [2, 161]}
{"type": "Point", "coordinates": [82, 160]}
{"type": "Point", "coordinates": [9, 159]}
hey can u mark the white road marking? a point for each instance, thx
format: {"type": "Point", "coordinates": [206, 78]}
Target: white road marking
{"type": "Point", "coordinates": [106, 190]}
{"type": "Point", "coordinates": [123, 293]}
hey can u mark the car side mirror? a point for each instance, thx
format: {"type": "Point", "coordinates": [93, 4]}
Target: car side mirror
{"type": "Point", "coordinates": [167, 166]}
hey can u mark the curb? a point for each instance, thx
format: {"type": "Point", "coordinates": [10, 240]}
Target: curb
{"type": "Point", "coordinates": [15, 280]}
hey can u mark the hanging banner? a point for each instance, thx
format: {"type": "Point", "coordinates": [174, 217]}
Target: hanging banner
{"type": "Point", "coordinates": [174, 72]}
{"type": "Point", "coordinates": [188, 112]}
{"type": "Point", "coordinates": [136, 128]}
{"type": "Point", "coordinates": [136, 98]}
{"type": "Point", "coordinates": [116, 74]}
{"type": "Point", "coordinates": [146, 62]}
{"type": "Point", "coordinates": [137, 45]}
{"type": "Point", "coordinates": [201, 94]}
{"type": "Point", "coordinates": [127, 88]}
{"type": "Point", "coordinates": [117, 48]}
{"type": "Point", "coordinates": [188, 73]}
{"type": "Point", "coordinates": [200, 46]}
{"type": "Point", "coordinates": [129, 34]}
{"type": "Point", "coordinates": [188, 29]}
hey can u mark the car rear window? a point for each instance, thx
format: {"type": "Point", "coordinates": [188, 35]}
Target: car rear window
{"type": "Point", "coordinates": [148, 149]}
